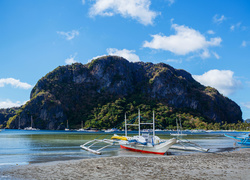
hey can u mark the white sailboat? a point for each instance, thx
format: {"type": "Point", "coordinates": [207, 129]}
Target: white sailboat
{"type": "Point", "coordinates": [179, 130]}
{"type": "Point", "coordinates": [81, 127]}
{"type": "Point", "coordinates": [31, 128]}
{"type": "Point", "coordinates": [67, 128]}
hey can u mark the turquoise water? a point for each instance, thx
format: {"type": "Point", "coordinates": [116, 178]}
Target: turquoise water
{"type": "Point", "coordinates": [20, 147]}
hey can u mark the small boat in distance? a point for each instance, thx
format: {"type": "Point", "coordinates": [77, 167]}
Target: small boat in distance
{"type": "Point", "coordinates": [67, 128]}
{"type": "Point", "coordinates": [81, 127]}
{"type": "Point", "coordinates": [31, 128]}
{"type": "Point", "coordinates": [112, 130]}
{"type": "Point", "coordinates": [179, 130]}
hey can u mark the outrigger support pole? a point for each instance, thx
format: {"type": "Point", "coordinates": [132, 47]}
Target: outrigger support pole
{"type": "Point", "coordinates": [125, 125]}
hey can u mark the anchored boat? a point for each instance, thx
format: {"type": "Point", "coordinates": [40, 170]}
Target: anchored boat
{"type": "Point", "coordinates": [145, 142]}
{"type": "Point", "coordinates": [31, 128]}
{"type": "Point", "coordinates": [179, 130]}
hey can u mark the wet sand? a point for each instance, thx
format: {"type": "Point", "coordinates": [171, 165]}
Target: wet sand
{"type": "Point", "coordinates": [225, 165]}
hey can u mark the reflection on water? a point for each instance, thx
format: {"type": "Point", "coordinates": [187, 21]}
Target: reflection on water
{"type": "Point", "coordinates": [25, 147]}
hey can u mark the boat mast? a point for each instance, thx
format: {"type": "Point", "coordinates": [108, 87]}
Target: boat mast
{"type": "Point", "coordinates": [153, 123]}
{"type": "Point", "coordinates": [139, 120]}
{"type": "Point", "coordinates": [31, 123]}
{"type": "Point", "coordinates": [177, 126]}
{"type": "Point", "coordinates": [19, 123]}
{"type": "Point", "coordinates": [125, 125]}
{"type": "Point", "coordinates": [180, 125]}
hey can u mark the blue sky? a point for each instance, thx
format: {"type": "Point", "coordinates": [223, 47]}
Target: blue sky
{"type": "Point", "coordinates": [208, 38]}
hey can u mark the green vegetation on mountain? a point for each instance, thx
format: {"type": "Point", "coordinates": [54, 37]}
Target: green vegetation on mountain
{"type": "Point", "coordinates": [6, 114]}
{"type": "Point", "coordinates": [102, 91]}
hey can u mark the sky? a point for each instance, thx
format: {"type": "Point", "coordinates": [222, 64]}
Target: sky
{"type": "Point", "coordinates": [210, 39]}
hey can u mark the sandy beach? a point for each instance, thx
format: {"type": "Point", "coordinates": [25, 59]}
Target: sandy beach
{"type": "Point", "coordinates": [225, 165]}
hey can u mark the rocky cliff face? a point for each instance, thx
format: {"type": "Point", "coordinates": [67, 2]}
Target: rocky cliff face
{"type": "Point", "coordinates": [72, 92]}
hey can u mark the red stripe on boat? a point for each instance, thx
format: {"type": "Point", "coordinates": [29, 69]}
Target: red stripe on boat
{"type": "Point", "coordinates": [138, 150]}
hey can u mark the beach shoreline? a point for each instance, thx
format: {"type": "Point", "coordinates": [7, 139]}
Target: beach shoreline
{"type": "Point", "coordinates": [223, 165]}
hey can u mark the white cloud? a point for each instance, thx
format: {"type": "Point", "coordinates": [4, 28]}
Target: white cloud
{"type": "Point", "coordinates": [69, 35]}
{"type": "Point", "coordinates": [96, 57]}
{"type": "Point", "coordinates": [71, 60]}
{"type": "Point", "coordinates": [127, 54]}
{"type": "Point", "coordinates": [15, 83]}
{"type": "Point", "coordinates": [210, 32]}
{"type": "Point", "coordinates": [244, 44]}
{"type": "Point", "coordinates": [216, 55]}
{"type": "Point", "coordinates": [223, 80]}
{"type": "Point", "coordinates": [170, 2]}
{"type": "Point", "coordinates": [83, 2]}
{"type": "Point", "coordinates": [205, 54]}
{"type": "Point", "coordinates": [8, 104]}
{"type": "Point", "coordinates": [185, 41]}
{"type": "Point", "coordinates": [136, 9]}
{"type": "Point", "coordinates": [219, 20]}
{"type": "Point", "coordinates": [246, 104]}
{"type": "Point", "coordinates": [235, 26]}
{"type": "Point", "coordinates": [232, 27]}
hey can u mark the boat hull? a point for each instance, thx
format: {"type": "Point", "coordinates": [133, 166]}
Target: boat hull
{"type": "Point", "coordinates": [244, 141]}
{"type": "Point", "coordinates": [156, 149]}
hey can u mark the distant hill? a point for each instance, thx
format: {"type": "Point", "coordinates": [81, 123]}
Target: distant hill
{"type": "Point", "coordinates": [7, 113]}
{"type": "Point", "coordinates": [100, 92]}
{"type": "Point", "coordinates": [247, 120]}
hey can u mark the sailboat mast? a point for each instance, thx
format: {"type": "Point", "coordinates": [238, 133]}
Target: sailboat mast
{"type": "Point", "coordinates": [19, 123]}
{"type": "Point", "coordinates": [153, 123]}
{"type": "Point", "coordinates": [180, 124]}
{"type": "Point", "coordinates": [139, 120]}
{"type": "Point", "coordinates": [177, 126]}
{"type": "Point", "coordinates": [31, 123]}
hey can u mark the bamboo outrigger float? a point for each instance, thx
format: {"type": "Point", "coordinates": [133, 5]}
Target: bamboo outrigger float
{"type": "Point", "coordinates": [87, 146]}
{"type": "Point", "coordinates": [186, 145]}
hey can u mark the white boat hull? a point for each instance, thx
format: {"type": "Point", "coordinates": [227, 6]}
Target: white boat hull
{"type": "Point", "coordinates": [172, 134]}
{"type": "Point", "coordinates": [31, 129]}
{"type": "Point", "coordinates": [156, 149]}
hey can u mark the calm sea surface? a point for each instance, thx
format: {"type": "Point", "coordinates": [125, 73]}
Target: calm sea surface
{"type": "Point", "coordinates": [20, 147]}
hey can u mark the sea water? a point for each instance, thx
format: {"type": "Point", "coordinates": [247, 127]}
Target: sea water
{"type": "Point", "coordinates": [21, 147]}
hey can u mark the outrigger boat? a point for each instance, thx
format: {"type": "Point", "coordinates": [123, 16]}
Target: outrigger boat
{"type": "Point", "coordinates": [143, 143]}
{"type": "Point", "coordinates": [240, 140]}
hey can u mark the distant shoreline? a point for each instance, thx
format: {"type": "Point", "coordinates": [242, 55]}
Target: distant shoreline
{"type": "Point", "coordinates": [225, 165]}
